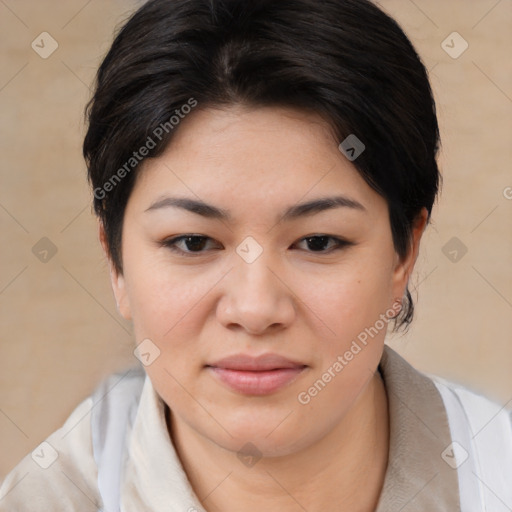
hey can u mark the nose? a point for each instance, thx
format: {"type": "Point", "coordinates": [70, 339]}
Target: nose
{"type": "Point", "coordinates": [257, 297]}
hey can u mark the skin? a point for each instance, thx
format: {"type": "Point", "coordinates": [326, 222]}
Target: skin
{"type": "Point", "coordinates": [305, 304]}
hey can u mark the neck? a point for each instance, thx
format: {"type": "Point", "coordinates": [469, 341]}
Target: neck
{"type": "Point", "coordinates": [345, 468]}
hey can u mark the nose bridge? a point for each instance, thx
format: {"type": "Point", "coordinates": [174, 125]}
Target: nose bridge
{"type": "Point", "coordinates": [255, 275]}
{"type": "Point", "coordinates": [256, 297]}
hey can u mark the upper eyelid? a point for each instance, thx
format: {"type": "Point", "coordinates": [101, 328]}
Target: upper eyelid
{"type": "Point", "coordinates": [194, 235]}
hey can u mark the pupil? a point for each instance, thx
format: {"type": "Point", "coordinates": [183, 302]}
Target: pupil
{"type": "Point", "coordinates": [317, 242]}
{"type": "Point", "coordinates": [194, 243]}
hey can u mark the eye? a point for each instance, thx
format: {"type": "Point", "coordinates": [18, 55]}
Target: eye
{"type": "Point", "coordinates": [318, 243]}
{"type": "Point", "coordinates": [193, 244]}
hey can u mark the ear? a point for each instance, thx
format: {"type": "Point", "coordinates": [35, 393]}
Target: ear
{"type": "Point", "coordinates": [405, 265]}
{"type": "Point", "coordinates": [116, 278]}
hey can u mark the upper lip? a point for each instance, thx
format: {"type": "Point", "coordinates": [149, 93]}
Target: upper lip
{"type": "Point", "coordinates": [260, 363]}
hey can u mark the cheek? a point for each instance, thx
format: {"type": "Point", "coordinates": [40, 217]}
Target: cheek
{"type": "Point", "coordinates": [167, 306]}
{"type": "Point", "coordinates": [170, 308]}
{"type": "Point", "coordinates": [355, 305]}
{"type": "Point", "coordinates": [348, 301]}
{"type": "Point", "coordinates": [174, 306]}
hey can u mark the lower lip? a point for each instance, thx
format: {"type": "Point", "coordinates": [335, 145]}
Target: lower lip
{"type": "Point", "coordinates": [257, 383]}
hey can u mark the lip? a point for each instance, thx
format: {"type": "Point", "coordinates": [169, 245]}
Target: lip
{"type": "Point", "coordinates": [260, 375]}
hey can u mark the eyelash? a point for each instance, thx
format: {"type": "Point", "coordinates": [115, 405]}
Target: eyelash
{"type": "Point", "coordinates": [171, 244]}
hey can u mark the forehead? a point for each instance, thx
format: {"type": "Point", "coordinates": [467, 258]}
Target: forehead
{"type": "Point", "coordinates": [269, 135]}
{"type": "Point", "coordinates": [252, 158]}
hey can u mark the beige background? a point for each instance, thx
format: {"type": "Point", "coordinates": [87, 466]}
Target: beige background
{"type": "Point", "coordinates": [60, 332]}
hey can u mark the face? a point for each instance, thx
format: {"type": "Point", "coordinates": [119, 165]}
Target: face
{"type": "Point", "coordinates": [290, 292]}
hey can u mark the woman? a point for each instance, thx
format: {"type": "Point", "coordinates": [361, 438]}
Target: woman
{"type": "Point", "coordinates": [263, 173]}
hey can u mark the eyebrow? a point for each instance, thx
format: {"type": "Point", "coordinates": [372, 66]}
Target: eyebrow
{"type": "Point", "coordinates": [293, 212]}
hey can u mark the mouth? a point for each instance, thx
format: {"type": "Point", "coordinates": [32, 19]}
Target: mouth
{"type": "Point", "coordinates": [256, 376]}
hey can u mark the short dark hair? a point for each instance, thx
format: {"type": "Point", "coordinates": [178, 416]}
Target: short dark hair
{"type": "Point", "coordinates": [345, 60]}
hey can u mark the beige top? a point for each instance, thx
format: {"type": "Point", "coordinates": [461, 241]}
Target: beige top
{"type": "Point", "coordinates": [417, 477]}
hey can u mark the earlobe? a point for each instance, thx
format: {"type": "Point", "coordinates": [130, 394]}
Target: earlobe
{"type": "Point", "coordinates": [117, 280]}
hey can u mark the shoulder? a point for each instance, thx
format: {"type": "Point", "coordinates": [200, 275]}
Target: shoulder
{"type": "Point", "coordinates": [473, 407]}
{"type": "Point", "coordinates": [479, 409]}
{"type": "Point", "coordinates": [60, 474]}
{"type": "Point", "coordinates": [482, 443]}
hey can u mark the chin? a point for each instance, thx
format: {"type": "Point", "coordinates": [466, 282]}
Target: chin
{"type": "Point", "coordinates": [266, 435]}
